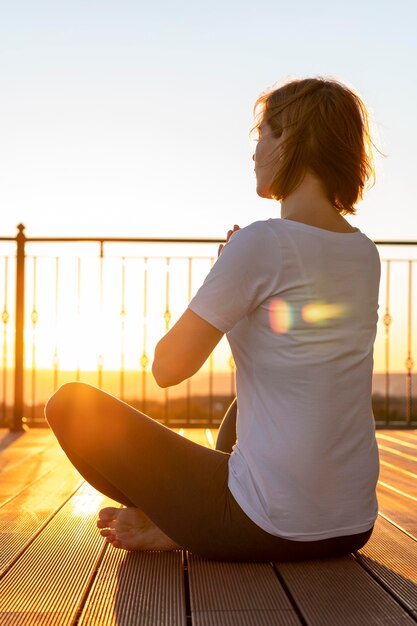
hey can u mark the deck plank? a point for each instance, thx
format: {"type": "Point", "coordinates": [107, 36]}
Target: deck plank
{"type": "Point", "coordinates": [339, 592]}
{"type": "Point", "coordinates": [223, 594]}
{"type": "Point", "coordinates": [18, 447]}
{"type": "Point", "coordinates": [16, 477]}
{"type": "Point", "coordinates": [395, 473]}
{"type": "Point", "coordinates": [47, 584]}
{"type": "Point", "coordinates": [55, 568]}
{"type": "Point", "coordinates": [398, 508]}
{"type": "Point", "coordinates": [145, 588]}
{"type": "Point", "coordinates": [404, 459]}
{"type": "Point", "coordinates": [396, 478]}
{"type": "Point", "coordinates": [398, 441]}
{"type": "Point", "coordinates": [391, 556]}
{"type": "Point", "coordinates": [24, 516]}
{"type": "Point", "coordinates": [397, 484]}
{"type": "Point", "coordinates": [409, 435]}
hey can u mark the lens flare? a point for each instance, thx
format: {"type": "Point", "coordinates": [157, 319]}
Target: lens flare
{"type": "Point", "coordinates": [280, 316]}
{"type": "Point", "coordinates": [87, 501]}
{"type": "Point", "coordinates": [321, 312]}
{"type": "Point", "coordinates": [283, 316]}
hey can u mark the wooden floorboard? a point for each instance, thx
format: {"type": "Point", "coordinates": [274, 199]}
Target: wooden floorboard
{"type": "Point", "coordinates": [24, 516]}
{"type": "Point", "coordinates": [398, 509]}
{"type": "Point", "coordinates": [222, 593]}
{"type": "Point", "coordinates": [403, 435]}
{"type": "Point", "coordinates": [339, 592]}
{"type": "Point", "coordinates": [145, 588]}
{"type": "Point", "coordinates": [391, 557]}
{"type": "Point", "coordinates": [56, 569]}
{"type": "Point", "coordinates": [16, 477]}
{"type": "Point", "coordinates": [16, 448]}
{"type": "Point", "coordinates": [401, 440]}
{"type": "Point", "coordinates": [48, 583]}
{"type": "Point", "coordinates": [404, 458]}
{"type": "Point", "coordinates": [397, 485]}
{"type": "Point", "coordinates": [394, 475]}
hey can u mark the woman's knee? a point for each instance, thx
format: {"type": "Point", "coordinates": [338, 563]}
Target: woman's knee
{"type": "Point", "coordinates": [63, 401]}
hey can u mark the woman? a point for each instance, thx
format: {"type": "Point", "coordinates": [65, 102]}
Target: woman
{"type": "Point", "coordinates": [294, 472]}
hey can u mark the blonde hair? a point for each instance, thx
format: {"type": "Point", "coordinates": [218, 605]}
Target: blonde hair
{"type": "Point", "coordinates": [324, 126]}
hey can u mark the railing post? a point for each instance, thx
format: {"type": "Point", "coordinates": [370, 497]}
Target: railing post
{"type": "Point", "coordinates": [20, 322]}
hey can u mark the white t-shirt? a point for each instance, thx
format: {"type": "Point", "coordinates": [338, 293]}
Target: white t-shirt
{"type": "Point", "coordinates": [299, 306]}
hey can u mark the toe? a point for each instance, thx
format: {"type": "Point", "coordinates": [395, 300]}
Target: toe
{"type": "Point", "coordinates": [112, 523]}
{"type": "Point", "coordinates": [108, 513]}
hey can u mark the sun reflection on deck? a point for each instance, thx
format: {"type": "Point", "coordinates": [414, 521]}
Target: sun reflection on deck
{"type": "Point", "coordinates": [87, 502]}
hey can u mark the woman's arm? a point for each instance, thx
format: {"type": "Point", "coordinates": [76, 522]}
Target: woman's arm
{"type": "Point", "coordinates": [184, 349]}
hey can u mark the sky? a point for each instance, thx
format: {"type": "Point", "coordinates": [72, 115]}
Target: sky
{"type": "Point", "coordinates": [125, 118]}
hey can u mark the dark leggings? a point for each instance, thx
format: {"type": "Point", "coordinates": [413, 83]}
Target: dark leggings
{"type": "Point", "coordinates": [180, 485]}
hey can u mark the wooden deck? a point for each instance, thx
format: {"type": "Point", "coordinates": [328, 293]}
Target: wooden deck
{"type": "Point", "coordinates": [56, 569]}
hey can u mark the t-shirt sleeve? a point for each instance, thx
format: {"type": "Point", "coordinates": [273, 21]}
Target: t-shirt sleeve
{"type": "Point", "coordinates": [245, 274]}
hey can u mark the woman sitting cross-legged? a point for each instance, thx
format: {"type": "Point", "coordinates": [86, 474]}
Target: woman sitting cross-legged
{"type": "Point", "coordinates": [294, 472]}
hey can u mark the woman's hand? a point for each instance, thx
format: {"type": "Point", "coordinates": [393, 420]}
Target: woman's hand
{"type": "Point", "coordinates": [229, 234]}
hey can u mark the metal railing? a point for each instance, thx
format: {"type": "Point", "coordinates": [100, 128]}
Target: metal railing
{"type": "Point", "coordinates": [31, 273]}
{"type": "Point", "coordinates": [28, 278]}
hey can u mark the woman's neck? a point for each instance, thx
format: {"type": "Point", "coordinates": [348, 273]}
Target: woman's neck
{"type": "Point", "coordinates": [309, 204]}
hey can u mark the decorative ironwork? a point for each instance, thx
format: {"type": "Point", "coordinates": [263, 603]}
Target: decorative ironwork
{"type": "Point", "coordinates": [232, 367]}
{"type": "Point", "coordinates": [122, 332]}
{"type": "Point", "coordinates": [100, 365]}
{"type": "Point", "coordinates": [210, 387]}
{"type": "Point", "coordinates": [144, 360]}
{"type": "Point", "coordinates": [167, 318]}
{"type": "Point", "coordinates": [5, 318]}
{"type": "Point", "coordinates": [100, 358]}
{"type": "Point", "coordinates": [34, 319]}
{"type": "Point", "coordinates": [55, 358]}
{"type": "Point", "coordinates": [189, 293]}
{"type": "Point", "coordinates": [78, 368]}
{"type": "Point", "coordinates": [387, 320]}
{"type": "Point", "coordinates": [409, 363]}
{"type": "Point", "coordinates": [388, 328]}
{"type": "Point", "coordinates": [167, 314]}
{"type": "Point", "coordinates": [19, 356]}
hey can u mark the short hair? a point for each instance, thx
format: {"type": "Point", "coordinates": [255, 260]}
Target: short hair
{"type": "Point", "coordinates": [325, 129]}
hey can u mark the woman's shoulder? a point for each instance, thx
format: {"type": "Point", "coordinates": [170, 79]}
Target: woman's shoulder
{"type": "Point", "coordinates": [261, 228]}
{"type": "Point", "coordinates": [257, 237]}
{"type": "Point", "coordinates": [268, 232]}
{"type": "Point", "coordinates": [255, 244]}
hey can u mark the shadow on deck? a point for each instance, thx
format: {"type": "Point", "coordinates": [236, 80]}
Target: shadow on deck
{"type": "Point", "coordinates": [56, 569]}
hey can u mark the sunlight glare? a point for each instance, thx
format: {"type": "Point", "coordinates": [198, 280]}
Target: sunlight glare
{"type": "Point", "coordinates": [209, 437]}
{"type": "Point", "coordinates": [280, 316]}
{"type": "Point", "coordinates": [86, 503]}
{"type": "Point", "coordinates": [318, 312]}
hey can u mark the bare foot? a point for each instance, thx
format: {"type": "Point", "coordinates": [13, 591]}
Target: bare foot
{"type": "Point", "coordinates": [129, 528]}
